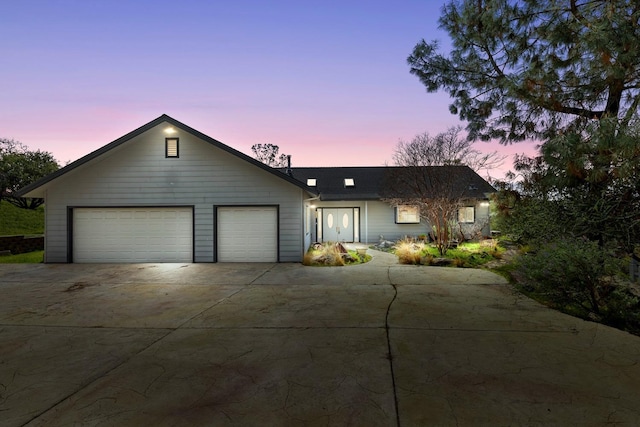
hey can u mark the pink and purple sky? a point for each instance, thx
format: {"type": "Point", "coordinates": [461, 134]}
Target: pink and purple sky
{"type": "Point", "coordinates": [327, 81]}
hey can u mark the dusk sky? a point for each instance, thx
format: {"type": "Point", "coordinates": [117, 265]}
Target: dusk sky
{"type": "Point", "coordinates": [327, 81]}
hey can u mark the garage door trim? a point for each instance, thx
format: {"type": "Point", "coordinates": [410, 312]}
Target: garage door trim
{"type": "Point", "coordinates": [70, 223]}
{"type": "Point", "coordinates": [215, 226]}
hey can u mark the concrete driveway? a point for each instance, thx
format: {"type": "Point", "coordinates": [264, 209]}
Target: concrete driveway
{"type": "Point", "coordinates": [281, 344]}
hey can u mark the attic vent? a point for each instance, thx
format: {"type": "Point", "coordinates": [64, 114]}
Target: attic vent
{"type": "Point", "coordinates": [311, 182]}
{"type": "Point", "coordinates": [473, 187]}
{"type": "Point", "coordinates": [349, 182]}
{"type": "Point", "coordinates": [171, 147]}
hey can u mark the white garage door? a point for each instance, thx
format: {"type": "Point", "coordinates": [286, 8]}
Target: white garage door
{"type": "Point", "coordinates": [132, 235]}
{"type": "Point", "coordinates": [247, 234]}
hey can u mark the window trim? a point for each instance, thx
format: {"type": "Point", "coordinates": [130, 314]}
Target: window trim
{"type": "Point", "coordinates": [166, 148]}
{"type": "Point", "coordinates": [473, 214]}
{"type": "Point", "coordinates": [407, 221]}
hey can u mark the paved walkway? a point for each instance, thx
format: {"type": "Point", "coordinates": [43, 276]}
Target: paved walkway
{"type": "Point", "coordinates": [378, 344]}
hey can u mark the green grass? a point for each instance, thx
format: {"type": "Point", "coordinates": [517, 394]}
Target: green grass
{"type": "Point", "coordinates": [28, 258]}
{"type": "Point", "coordinates": [474, 254]}
{"type": "Point", "coordinates": [14, 220]}
{"type": "Point", "coordinates": [468, 254]}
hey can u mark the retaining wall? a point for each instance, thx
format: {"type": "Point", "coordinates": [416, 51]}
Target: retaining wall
{"type": "Point", "coordinates": [21, 244]}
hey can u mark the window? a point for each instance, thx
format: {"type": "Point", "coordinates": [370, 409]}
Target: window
{"type": "Point", "coordinates": [349, 182]}
{"type": "Point", "coordinates": [311, 182]}
{"type": "Point", "coordinates": [467, 214]}
{"type": "Point", "coordinates": [171, 147]}
{"type": "Point", "coordinates": [406, 214]}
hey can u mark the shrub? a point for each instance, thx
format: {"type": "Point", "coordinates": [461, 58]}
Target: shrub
{"type": "Point", "coordinates": [571, 273]}
{"type": "Point", "coordinates": [622, 310]}
{"type": "Point", "coordinates": [409, 252]}
{"type": "Point", "coordinates": [326, 254]}
{"type": "Point", "coordinates": [308, 258]}
{"type": "Point", "coordinates": [527, 219]}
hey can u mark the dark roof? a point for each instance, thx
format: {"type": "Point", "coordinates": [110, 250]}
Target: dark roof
{"type": "Point", "coordinates": [330, 181]}
{"type": "Point", "coordinates": [370, 181]}
{"type": "Point", "coordinates": [142, 129]}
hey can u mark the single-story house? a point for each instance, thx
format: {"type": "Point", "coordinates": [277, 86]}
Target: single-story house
{"type": "Point", "coordinates": [168, 193]}
{"type": "Point", "coordinates": [351, 206]}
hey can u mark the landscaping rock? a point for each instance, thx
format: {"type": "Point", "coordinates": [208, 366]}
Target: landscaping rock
{"type": "Point", "coordinates": [441, 262]}
{"type": "Point", "coordinates": [340, 248]}
{"type": "Point", "coordinates": [385, 244]}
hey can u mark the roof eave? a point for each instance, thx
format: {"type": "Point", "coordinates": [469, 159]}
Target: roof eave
{"type": "Point", "coordinates": [341, 197]}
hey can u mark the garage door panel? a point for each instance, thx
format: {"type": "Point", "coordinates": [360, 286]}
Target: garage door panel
{"type": "Point", "coordinates": [247, 234]}
{"type": "Point", "coordinates": [132, 235]}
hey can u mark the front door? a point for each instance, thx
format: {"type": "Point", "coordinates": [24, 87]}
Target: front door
{"type": "Point", "coordinates": [337, 225]}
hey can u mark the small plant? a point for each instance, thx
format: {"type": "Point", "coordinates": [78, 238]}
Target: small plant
{"type": "Point", "coordinates": [409, 252]}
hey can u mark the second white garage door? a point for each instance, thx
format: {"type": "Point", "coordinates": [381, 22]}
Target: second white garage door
{"type": "Point", "coordinates": [247, 234]}
{"type": "Point", "coordinates": [133, 235]}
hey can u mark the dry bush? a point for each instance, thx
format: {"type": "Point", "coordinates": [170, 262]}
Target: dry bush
{"type": "Point", "coordinates": [326, 254]}
{"type": "Point", "coordinates": [409, 252]}
{"type": "Point", "coordinates": [334, 255]}
{"type": "Point", "coordinates": [308, 258]}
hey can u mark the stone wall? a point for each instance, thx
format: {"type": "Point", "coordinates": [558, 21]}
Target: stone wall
{"type": "Point", "coordinates": [21, 244]}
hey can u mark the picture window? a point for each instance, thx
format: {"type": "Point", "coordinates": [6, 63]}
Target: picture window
{"type": "Point", "coordinates": [467, 214]}
{"type": "Point", "coordinates": [407, 214]}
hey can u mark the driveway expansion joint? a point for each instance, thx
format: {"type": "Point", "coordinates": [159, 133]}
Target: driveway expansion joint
{"type": "Point", "coordinates": [98, 377]}
{"type": "Point", "coordinates": [390, 355]}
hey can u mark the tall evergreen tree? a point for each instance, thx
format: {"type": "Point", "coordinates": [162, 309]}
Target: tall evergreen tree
{"type": "Point", "coordinates": [533, 68]}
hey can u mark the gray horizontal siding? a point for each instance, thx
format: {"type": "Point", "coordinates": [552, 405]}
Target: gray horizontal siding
{"type": "Point", "coordinates": [378, 219]}
{"type": "Point", "coordinates": [382, 222]}
{"type": "Point", "coordinates": [138, 174]}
